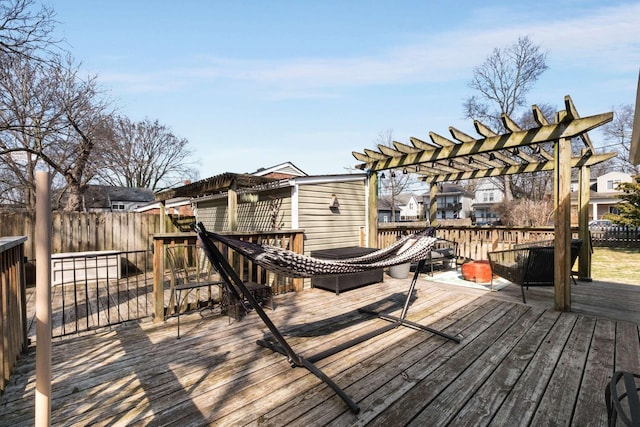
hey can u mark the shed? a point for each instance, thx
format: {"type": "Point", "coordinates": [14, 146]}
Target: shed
{"type": "Point", "coordinates": [331, 209]}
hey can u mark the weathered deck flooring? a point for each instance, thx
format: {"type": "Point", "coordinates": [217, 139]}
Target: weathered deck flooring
{"type": "Point", "coordinates": [516, 365]}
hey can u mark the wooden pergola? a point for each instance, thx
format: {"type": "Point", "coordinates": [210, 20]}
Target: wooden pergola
{"type": "Point", "coordinates": [545, 147]}
{"type": "Point", "coordinates": [230, 183]}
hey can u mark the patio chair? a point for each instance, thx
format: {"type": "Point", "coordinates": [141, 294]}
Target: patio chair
{"type": "Point", "coordinates": [530, 264]}
{"type": "Point", "coordinates": [621, 397]}
{"type": "Point", "coordinates": [190, 270]}
{"type": "Point", "coordinates": [444, 253]}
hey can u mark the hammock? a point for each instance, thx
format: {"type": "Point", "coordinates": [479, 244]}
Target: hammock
{"type": "Point", "coordinates": [414, 247]}
{"type": "Point", "coordinates": [411, 248]}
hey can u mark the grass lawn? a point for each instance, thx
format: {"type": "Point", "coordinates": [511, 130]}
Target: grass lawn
{"type": "Point", "coordinates": [621, 265]}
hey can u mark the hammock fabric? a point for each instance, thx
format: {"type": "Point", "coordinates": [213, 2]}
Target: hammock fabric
{"type": "Point", "coordinates": [411, 248]}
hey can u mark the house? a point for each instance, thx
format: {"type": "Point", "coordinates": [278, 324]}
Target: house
{"type": "Point", "coordinates": [281, 171]}
{"type": "Point", "coordinates": [331, 209]}
{"type": "Point", "coordinates": [486, 196]}
{"type": "Point", "coordinates": [384, 211]}
{"type": "Point", "coordinates": [452, 202]}
{"type": "Point", "coordinates": [602, 196]}
{"type": "Point", "coordinates": [105, 198]}
{"type": "Point", "coordinates": [407, 207]}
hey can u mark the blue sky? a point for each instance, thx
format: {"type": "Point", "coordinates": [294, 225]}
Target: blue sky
{"type": "Point", "coordinates": [254, 84]}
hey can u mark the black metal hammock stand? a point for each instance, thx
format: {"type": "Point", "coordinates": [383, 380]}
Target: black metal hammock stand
{"type": "Point", "coordinates": [411, 248]}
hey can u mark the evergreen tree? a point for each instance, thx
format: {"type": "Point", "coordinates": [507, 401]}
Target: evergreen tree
{"type": "Point", "coordinates": [629, 208]}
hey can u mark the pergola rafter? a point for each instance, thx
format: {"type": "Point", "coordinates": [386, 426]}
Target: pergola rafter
{"type": "Point", "coordinates": [495, 144]}
{"type": "Point", "coordinates": [545, 147]}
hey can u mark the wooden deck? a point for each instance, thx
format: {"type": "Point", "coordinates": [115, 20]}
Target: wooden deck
{"type": "Point", "coordinates": [516, 365]}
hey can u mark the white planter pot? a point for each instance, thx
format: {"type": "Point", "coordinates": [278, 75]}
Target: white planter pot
{"type": "Point", "coordinates": [400, 271]}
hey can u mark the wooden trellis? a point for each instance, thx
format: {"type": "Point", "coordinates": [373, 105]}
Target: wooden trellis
{"type": "Point", "coordinates": [548, 146]}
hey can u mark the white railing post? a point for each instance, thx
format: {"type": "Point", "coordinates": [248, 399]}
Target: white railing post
{"type": "Point", "coordinates": [43, 300]}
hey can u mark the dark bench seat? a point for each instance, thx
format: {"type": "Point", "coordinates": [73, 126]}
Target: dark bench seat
{"type": "Point", "coordinates": [348, 281]}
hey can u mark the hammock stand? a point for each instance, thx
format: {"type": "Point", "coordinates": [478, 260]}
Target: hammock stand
{"type": "Point", "coordinates": [278, 343]}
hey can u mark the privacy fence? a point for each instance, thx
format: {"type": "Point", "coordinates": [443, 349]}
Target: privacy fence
{"type": "Point", "coordinates": [89, 231]}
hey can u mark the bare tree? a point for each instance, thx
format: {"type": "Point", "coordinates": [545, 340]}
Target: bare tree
{"type": "Point", "coordinates": [145, 154]}
{"type": "Point", "coordinates": [502, 83]}
{"type": "Point", "coordinates": [617, 133]}
{"type": "Point", "coordinates": [53, 120]}
{"type": "Point", "coordinates": [395, 182]}
{"type": "Point", "coordinates": [24, 31]}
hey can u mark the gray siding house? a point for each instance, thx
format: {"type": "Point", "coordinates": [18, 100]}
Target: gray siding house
{"type": "Point", "coordinates": [331, 209]}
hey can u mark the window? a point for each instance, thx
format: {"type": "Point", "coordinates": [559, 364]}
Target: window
{"type": "Point", "coordinates": [117, 207]}
{"type": "Point", "coordinates": [491, 196]}
{"type": "Point", "coordinates": [612, 184]}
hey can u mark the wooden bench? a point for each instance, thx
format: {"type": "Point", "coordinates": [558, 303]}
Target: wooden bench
{"type": "Point", "coordinates": [529, 264]}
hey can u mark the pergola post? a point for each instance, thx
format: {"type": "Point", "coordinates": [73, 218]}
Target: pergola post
{"type": "Point", "coordinates": [163, 216]}
{"type": "Point", "coordinates": [433, 205]}
{"type": "Point", "coordinates": [562, 225]}
{"type": "Point", "coordinates": [232, 209]}
{"type": "Point", "coordinates": [584, 260]}
{"type": "Point", "coordinates": [372, 211]}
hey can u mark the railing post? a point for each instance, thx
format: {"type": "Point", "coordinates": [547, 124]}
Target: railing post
{"type": "Point", "coordinates": [158, 279]}
{"type": "Point", "coordinates": [297, 246]}
{"type": "Point", "coordinates": [43, 300]}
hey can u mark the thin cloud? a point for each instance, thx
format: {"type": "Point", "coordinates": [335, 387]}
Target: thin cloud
{"type": "Point", "coordinates": [606, 37]}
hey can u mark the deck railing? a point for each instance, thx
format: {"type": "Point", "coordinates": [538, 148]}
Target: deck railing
{"type": "Point", "coordinates": [13, 305]}
{"type": "Point", "coordinates": [473, 242]}
{"type": "Point", "coordinates": [91, 290]}
{"type": "Point", "coordinates": [292, 240]}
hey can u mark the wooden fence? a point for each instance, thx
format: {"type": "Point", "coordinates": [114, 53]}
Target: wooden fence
{"type": "Point", "coordinates": [13, 318]}
{"type": "Point", "coordinates": [473, 242]}
{"type": "Point", "coordinates": [88, 231]}
{"type": "Point", "coordinates": [617, 237]}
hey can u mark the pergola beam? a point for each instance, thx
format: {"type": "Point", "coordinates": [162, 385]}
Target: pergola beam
{"type": "Point", "coordinates": [404, 148]}
{"type": "Point", "coordinates": [586, 160]}
{"type": "Point", "coordinates": [564, 129]}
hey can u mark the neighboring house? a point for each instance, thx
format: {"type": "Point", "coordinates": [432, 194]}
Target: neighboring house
{"type": "Point", "coordinates": [408, 207]}
{"type": "Point", "coordinates": [603, 195]}
{"type": "Point", "coordinates": [487, 196]}
{"type": "Point", "coordinates": [411, 207]}
{"type": "Point", "coordinates": [384, 211]}
{"type": "Point", "coordinates": [281, 171]}
{"type": "Point", "coordinates": [105, 198]}
{"type": "Point", "coordinates": [452, 202]}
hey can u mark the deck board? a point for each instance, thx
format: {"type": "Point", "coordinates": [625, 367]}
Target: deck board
{"type": "Point", "coordinates": [517, 364]}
